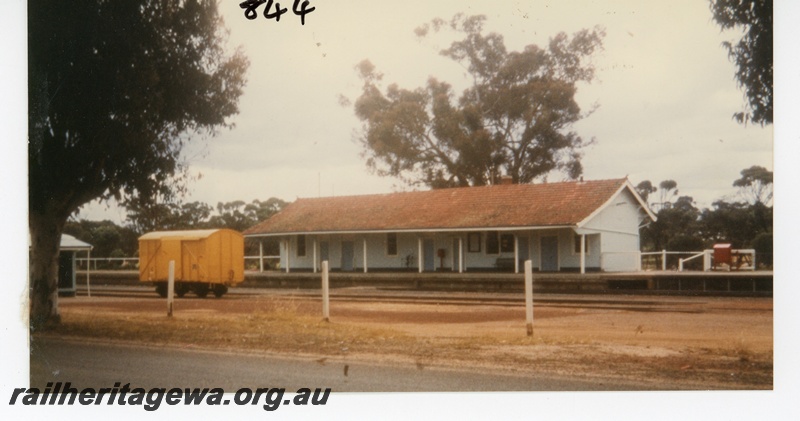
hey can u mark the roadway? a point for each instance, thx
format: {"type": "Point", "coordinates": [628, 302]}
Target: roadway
{"type": "Point", "coordinates": [101, 364]}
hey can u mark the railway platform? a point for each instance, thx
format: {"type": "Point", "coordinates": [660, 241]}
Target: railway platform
{"type": "Point", "coordinates": [743, 283]}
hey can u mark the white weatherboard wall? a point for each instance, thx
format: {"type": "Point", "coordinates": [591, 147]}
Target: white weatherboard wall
{"type": "Point", "coordinates": [567, 250]}
{"type": "Point", "coordinates": [618, 226]}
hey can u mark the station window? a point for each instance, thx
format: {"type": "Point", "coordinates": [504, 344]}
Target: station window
{"type": "Point", "coordinates": [391, 244]}
{"type": "Point", "coordinates": [301, 246]}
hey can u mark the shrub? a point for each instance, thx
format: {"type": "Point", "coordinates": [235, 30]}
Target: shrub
{"type": "Point", "coordinates": [763, 245]}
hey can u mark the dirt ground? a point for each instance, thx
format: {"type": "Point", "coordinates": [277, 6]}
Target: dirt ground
{"type": "Point", "coordinates": [660, 342]}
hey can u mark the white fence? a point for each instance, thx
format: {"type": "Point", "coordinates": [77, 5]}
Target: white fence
{"type": "Point", "coordinates": [741, 259]}
{"type": "Point", "coordinates": [107, 262]}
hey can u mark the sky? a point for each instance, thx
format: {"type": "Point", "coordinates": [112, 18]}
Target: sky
{"type": "Point", "coordinates": [665, 89]}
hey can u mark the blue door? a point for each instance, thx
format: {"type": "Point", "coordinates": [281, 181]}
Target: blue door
{"type": "Point", "coordinates": [427, 251]}
{"type": "Point", "coordinates": [347, 255]}
{"type": "Point", "coordinates": [549, 254]}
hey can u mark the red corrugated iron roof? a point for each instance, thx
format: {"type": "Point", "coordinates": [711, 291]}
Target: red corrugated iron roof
{"type": "Point", "coordinates": [497, 206]}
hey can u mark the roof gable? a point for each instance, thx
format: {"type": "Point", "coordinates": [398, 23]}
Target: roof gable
{"type": "Point", "coordinates": [497, 206]}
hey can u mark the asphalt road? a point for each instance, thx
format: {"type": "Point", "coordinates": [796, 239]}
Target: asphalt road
{"type": "Point", "coordinates": [99, 365]}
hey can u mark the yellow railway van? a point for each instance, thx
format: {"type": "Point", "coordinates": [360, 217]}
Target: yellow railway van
{"type": "Point", "coordinates": [205, 260]}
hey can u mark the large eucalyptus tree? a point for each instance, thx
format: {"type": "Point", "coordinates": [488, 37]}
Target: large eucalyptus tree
{"type": "Point", "coordinates": [116, 89]}
{"type": "Point", "coordinates": [514, 119]}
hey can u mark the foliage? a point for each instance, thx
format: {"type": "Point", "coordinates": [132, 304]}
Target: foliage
{"type": "Point", "coordinates": [669, 189]}
{"type": "Point", "coordinates": [111, 240]}
{"type": "Point", "coordinates": [678, 220]}
{"type": "Point", "coordinates": [755, 185]}
{"type": "Point", "coordinates": [763, 245]}
{"type": "Point", "coordinates": [116, 89]}
{"type": "Point", "coordinates": [645, 188]}
{"type": "Point", "coordinates": [682, 227]}
{"type": "Point", "coordinates": [105, 237]}
{"type": "Point", "coordinates": [688, 243]}
{"type": "Point", "coordinates": [163, 216]}
{"type": "Point", "coordinates": [737, 223]}
{"type": "Point", "coordinates": [513, 119]}
{"type": "Point", "coordinates": [752, 54]}
{"type": "Point", "coordinates": [685, 243]}
{"type": "Point", "coordinates": [239, 215]}
{"type": "Point", "coordinates": [236, 215]}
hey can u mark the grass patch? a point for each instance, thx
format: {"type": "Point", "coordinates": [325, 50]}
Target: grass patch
{"type": "Point", "coordinates": [277, 330]}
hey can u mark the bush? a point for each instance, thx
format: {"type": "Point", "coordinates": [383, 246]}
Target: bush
{"type": "Point", "coordinates": [685, 243]}
{"type": "Point", "coordinates": [763, 245]}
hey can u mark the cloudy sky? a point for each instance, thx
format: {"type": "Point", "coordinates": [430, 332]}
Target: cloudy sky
{"type": "Point", "coordinates": [665, 91]}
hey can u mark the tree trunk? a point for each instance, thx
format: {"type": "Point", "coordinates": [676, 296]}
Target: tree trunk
{"type": "Point", "coordinates": [45, 230]}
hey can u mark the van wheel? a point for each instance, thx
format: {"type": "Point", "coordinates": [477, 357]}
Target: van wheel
{"type": "Point", "coordinates": [201, 290]}
{"type": "Point", "coordinates": [220, 290]}
{"type": "Point", "coordinates": [181, 289]}
{"type": "Point", "coordinates": [161, 289]}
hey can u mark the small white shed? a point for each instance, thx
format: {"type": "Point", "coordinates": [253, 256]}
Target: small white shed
{"type": "Point", "coordinates": [67, 258]}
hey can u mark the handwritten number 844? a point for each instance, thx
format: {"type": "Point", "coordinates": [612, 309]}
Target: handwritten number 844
{"type": "Point", "coordinates": [298, 8]}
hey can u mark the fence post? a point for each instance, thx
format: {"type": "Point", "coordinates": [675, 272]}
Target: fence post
{"type": "Point", "coordinates": [260, 256]}
{"type": "Point", "coordinates": [170, 287]}
{"type": "Point", "coordinates": [88, 271]}
{"type": "Point", "coordinates": [664, 260]}
{"type": "Point", "coordinates": [326, 314]}
{"type": "Point", "coordinates": [529, 296]}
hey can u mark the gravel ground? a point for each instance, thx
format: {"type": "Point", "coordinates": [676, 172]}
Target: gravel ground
{"type": "Point", "coordinates": [666, 342]}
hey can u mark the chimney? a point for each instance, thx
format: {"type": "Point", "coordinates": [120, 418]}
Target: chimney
{"type": "Point", "coordinates": [506, 179]}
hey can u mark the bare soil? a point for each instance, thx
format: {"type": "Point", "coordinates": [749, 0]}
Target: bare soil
{"type": "Point", "coordinates": [658, 342]}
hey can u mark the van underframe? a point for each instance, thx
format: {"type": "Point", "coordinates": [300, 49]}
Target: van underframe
{"type": "Point", "coordinates": [201, 289]}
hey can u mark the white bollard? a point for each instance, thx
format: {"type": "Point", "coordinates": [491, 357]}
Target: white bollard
{"type": "Point", "coordinates": [170, 287]}
{"type": "Point", "coordinates": [88, 271]}
{"type": "Point", "coordinates": [326, 315]}
{"type": "Point", "coordinates": [529, 296]}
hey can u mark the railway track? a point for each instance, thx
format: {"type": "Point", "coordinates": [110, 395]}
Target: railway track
{"type": "Point", "coordinates": [588, 301]}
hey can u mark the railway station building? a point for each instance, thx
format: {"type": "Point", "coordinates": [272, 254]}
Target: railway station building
{"type": "Point", "coordinates": [576, 226]}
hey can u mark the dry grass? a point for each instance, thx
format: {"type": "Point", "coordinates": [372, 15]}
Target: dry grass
{"type": "Point", "coordinates": [642, 352]}
{"type": "Point", "coordinates": [276, 330]}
